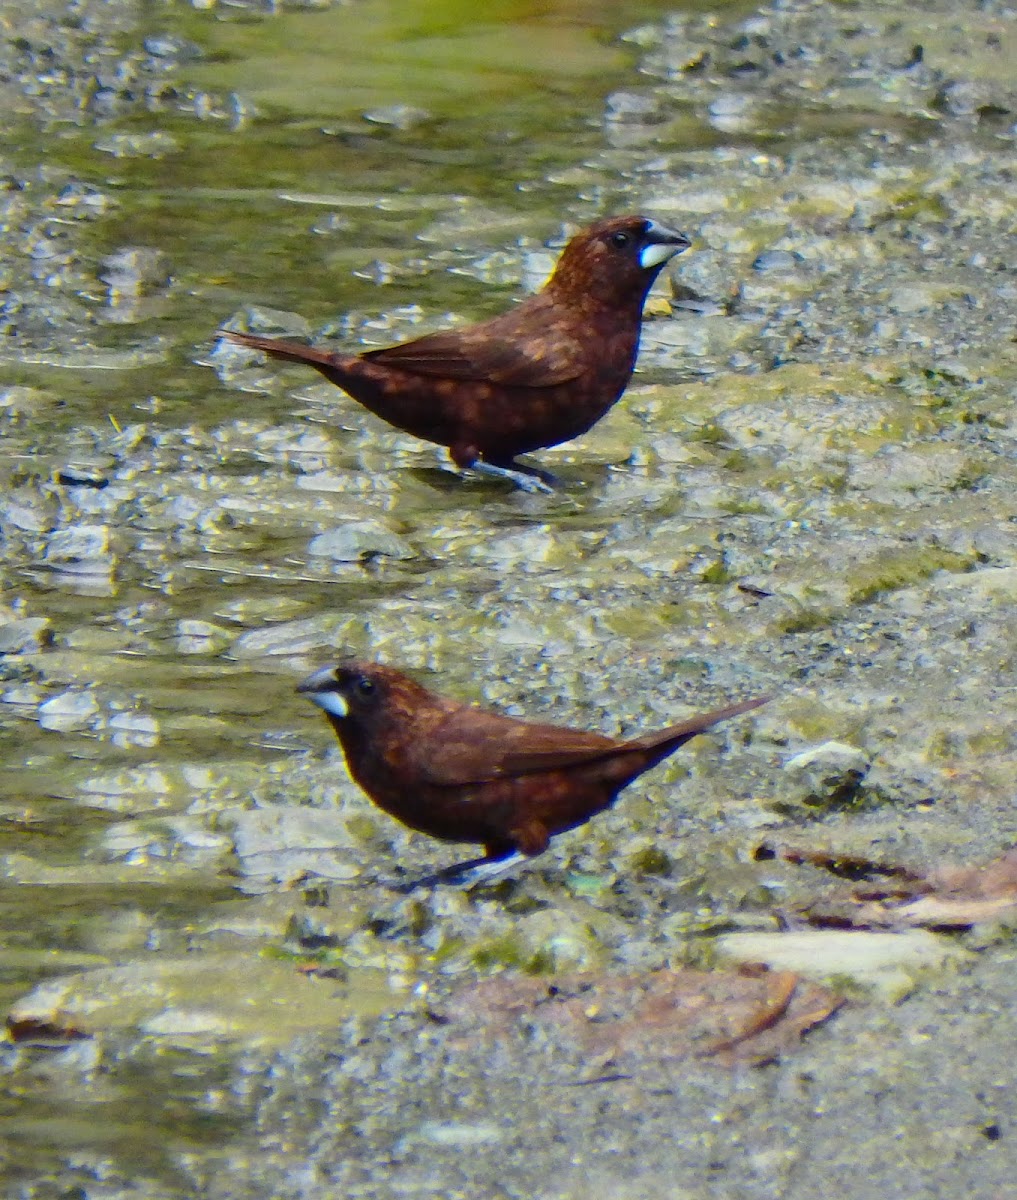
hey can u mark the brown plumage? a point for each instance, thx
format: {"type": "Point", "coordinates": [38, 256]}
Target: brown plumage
{"type": "Point", "coordinates": [464, 774]}
{"type": "Point", "coordinates": [538, 375]}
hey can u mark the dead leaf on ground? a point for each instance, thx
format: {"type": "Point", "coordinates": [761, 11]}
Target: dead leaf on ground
{"type": "Point", "coordinates": [749, 1016]}
{"type": "Point", "coordinates": [43, 1033]}
{"type": "Point", "coordinates": [949, 897]}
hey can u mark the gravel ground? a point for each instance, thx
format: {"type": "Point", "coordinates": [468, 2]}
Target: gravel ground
{"type": "Point", "coordinates": [808, 491]}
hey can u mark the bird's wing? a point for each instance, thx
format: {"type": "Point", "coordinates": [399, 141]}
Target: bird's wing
{"type": "Point", "coordinates": [473, 746]}
{"type": "Point", "coordinates": [531, 346]}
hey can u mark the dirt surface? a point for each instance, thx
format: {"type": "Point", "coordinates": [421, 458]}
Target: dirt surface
{"type": "Point", "coordinates": [807, 492]}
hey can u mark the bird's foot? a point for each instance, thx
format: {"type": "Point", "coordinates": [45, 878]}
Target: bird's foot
{"type": "Point", "coordinates": [487, 870]}
{"type": "Point", "coordinates": [527, 479]}
{"type": "Point", "coordinates": [467, 874]}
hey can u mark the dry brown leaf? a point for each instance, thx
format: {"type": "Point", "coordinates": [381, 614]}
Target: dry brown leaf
{"type": "Point", "coordinates": [950, 897]}
{"type": "Point", "coordinates": [748, 1016]}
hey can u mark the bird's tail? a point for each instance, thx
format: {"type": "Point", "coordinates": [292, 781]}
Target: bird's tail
{"type": "Point", "coordinates": [663, 742]}
{"type": "Point", "coordinates": [288, 351]}
{"type": "Point", "coordinates": [675, 736]}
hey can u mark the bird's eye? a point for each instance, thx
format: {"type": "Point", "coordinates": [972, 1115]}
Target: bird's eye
{"type": "Point", "coordinates": [620, 240]}
{"type": "Point", "coordinates": [365, 686]}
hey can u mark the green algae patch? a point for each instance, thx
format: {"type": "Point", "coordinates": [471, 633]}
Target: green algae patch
{"type": "Point", "coordinates": [572, 936]}
{"type": "Point", "coordinates": [651, 860]}
{"type": "Point", "coordinates": [987, 741]}
{"type": "Point", "coordinates": [818, 722]}
{"type": "Point", "coordinates": [891, 570]}
{"type": "Point", "coordinates": [807, 619]}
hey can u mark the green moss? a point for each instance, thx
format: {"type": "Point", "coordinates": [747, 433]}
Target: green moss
{"type": "Point", "coordinates": [362, 827]}
{"type": "Point", "coordinates": [910, 205]}
{"type": "Point", "coordinates": [651, 861]}
{"type": "Point", "coordinates": [949, 745]}
{"type": "Point", "coordinates": [805, 620]}
{"type": "Point", "coordinates": [891, 570]}
{"type": "Point", "coordinates": [814, 724]}
{"type": "Point", "coordinates": [969, 476]}
{"type": "Point", "coordinates": [640, 622]}
{"type": "Point", "coordinates": [716, 572]}
{"type": "Point", "coordinates": [540, 963]}
{"type": "Point", "coordinates": [737, 461]}
{"type": "Point", "coordinates": [992, 741]}
{"type": "Point", "coordinates": [501, 952]}
{"type": "Point", "coordinates": [942, 746]}
{"type": "Point", "coordinates": [710, 433]}
{"type": "Point", "coordinates": [747, 506]}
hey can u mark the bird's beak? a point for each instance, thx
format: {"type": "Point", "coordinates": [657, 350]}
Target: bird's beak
{"type": "Point", "coordinates": [661, 244]}
{"type": "Point", "coordinates": [320, 689]}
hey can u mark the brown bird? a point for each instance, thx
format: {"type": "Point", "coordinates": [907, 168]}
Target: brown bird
{"type": "Point", "coordinates": [463, 774]}
{"type": "Point", "coordinates": [536, 376]}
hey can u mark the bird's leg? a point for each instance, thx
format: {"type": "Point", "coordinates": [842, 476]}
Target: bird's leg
{"type": "Point", "coordinates": [527, 479]}
{"type": "Point", "coordinates": [485, 869]}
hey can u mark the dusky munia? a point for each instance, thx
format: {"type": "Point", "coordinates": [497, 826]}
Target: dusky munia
{"type": "Point", "coordinates": [465, 774]}
{"type": "Point", "coordinates": [538, 375]}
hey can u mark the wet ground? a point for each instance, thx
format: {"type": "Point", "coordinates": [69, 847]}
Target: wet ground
{"type": "Point", "coordinates": [807, 491]}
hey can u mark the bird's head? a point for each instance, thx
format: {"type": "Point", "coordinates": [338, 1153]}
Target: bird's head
{"type": "Point", "coordinates": [616, 260]}
{"type": "Point", "coordinates": [350, 691]}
